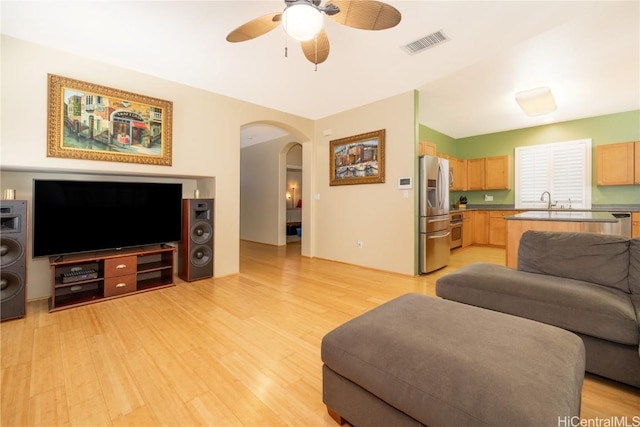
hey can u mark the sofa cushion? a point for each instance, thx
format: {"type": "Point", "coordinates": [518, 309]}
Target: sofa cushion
{"type": "Point", "coordinates": [596, 258]}
{"type": "Point", "coordinates": [634, 266]}
{"type": "Point", "coordinates": [578, 306]}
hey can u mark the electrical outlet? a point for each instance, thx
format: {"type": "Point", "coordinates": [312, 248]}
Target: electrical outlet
{"type": "Point", "coordinates": [488, 198]}
{"type": "Point", "coordinates": [359, 244]}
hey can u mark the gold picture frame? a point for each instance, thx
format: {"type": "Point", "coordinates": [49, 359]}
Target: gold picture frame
{"type": "Point", "coordinates": [87, 121]}
{"type": "Point", "coordinates": [357, 159]}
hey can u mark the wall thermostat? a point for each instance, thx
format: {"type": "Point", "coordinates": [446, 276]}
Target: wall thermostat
{"type": "Point", "coordinates": [405, 183]}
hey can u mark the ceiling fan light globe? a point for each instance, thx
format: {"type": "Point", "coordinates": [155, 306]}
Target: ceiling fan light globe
{"type": "Point", "coordinates": [302, 21]}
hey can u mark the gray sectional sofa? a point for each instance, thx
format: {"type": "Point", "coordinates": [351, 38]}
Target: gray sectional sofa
{"type": "Point", "coordinates": [585, 283]}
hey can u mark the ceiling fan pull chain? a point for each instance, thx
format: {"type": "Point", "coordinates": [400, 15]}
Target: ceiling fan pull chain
{"type": "Point", "coordinates": [316, 46]}
{"type": "Point", "coordinates": [286, 48]}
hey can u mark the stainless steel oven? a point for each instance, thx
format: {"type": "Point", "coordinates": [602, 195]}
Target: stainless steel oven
{"type": "Point", "coordinates": [455, 237]}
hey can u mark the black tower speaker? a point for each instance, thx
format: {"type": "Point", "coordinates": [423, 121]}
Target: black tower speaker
{"type": "Point", "coordinates": [196, 251]}
{"type": "Point", "coordinates": [13, 259]}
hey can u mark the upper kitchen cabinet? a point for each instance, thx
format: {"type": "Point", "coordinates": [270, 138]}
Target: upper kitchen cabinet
{"type": "Point", "coordinates": [458, 169]}
{"type": "Point", "coordinates": [498, 173]}
{"type": "Point", "coordinates": [475, 174]}
{"type": "Point", "coordinates": [427, 148]}
{"type": "Point", "coordinates": [637, 161]}
{"type": "Point", "coordinates": [618, 164]}
{"type": "Point", "coordinates": [489, 173]}
{"type": "Point", "coordinates": [457, 172]}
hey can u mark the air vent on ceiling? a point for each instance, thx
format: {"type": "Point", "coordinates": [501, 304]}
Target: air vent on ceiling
{"type": "Point", "coordinates": [426, 42]}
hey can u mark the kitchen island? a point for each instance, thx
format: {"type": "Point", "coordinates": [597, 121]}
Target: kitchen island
{"type": "Point", "coordinates": [555, 220]}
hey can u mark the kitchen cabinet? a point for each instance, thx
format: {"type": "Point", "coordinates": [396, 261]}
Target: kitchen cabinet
{"type": "Point", "coordinates": [635, 224]}
{"type": "Point", "coordinates": [637, 162]}
{"type": "Point", "coordinates": [475, 174]}
{"type": "Point", "coordinates": [480, 227]}
{"type": "Point", "coordinates": [458, 171]}
{"type": "Point", "coordinates": [618, 164]}
{"type": "Point", "coordinates": [498, 227]}
{"type": "Point", "coordinates": [498, 173]}
{"type": "Point", "coordinates": [489, 173]}
{"type": "Point", "coordinates": [467, 229]}
{"type": "Point", "coordinates": [426, 148]}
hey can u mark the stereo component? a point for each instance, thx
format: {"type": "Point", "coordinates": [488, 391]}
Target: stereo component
{"type": "Point", "coordinates": [13, 259]}
{"type": "Point", "coordinates": [195, 260]}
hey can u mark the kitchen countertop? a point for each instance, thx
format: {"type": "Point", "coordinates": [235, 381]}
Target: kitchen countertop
{"type": "Point", "coordinates": [564, 215]}
{"type": "Point", "coordinates": [596, 208]}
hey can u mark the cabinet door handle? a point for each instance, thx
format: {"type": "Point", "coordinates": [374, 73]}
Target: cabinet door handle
{"type": "Point", "coordinates": [121, 285]}
{"type": "Point", "coordinates": [119, 266]}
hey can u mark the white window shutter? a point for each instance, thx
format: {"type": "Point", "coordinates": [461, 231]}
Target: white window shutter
{"type": "Point", "coordinates": [563, 169]}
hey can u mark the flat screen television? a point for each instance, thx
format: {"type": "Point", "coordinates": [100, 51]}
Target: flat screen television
{"type": "Point", "coordinates": [86, 216]}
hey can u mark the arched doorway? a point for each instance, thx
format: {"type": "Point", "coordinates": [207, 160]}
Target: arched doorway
{"type": "Point", "coordinates": [264, 184]}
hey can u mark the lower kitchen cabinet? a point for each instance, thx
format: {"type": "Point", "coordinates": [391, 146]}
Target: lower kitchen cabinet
{"type": "Point", "coordinates": [497, 229]}
{"type": "Point", "coordinates": [489, 227]}
{"type": "Point", "coordinates": [635, 224]}
{"type": "Point", "coordinates": [467, 229]}
{"type": "Point", "coordinates": [481, 227]}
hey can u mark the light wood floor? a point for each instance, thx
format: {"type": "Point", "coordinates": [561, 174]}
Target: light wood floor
{"type": "Point", "coordinates": [239, 350]}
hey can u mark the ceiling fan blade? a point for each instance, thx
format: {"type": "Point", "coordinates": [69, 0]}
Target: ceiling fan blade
{"type": "Point", "coordinates": [317, 49]}
{"type": "Point", "coordinates": [255, 28]}
{"type": "Point", "coordinates": [366, 14]}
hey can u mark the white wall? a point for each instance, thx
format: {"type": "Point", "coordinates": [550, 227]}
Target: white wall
{"type": "Point", "coordinates": [377, 214]}
{"type": "Point", "coordinates": [206, 135]}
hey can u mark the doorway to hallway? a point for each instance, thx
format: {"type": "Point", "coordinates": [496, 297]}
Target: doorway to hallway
{"type": "Point", "coordinates": [293, 190]}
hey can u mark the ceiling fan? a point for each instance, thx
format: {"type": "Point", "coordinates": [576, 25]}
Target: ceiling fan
{"type": "Point", "coordinates": [302, 20]}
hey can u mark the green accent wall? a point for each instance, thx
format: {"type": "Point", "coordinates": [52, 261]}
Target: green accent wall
{"type": "Point", "coordinates": [444, 143]}
{"type": "Point", "coordinates": [609, 129]}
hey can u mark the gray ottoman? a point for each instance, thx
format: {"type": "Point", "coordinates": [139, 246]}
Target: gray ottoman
{"type": "Point", "coordinates": [418, 360]}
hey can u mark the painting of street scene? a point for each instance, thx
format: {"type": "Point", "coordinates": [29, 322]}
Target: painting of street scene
{"type": "Point", "coordinates": [358, 159]}
{"type": "Point", "coordinates": [97, 123]}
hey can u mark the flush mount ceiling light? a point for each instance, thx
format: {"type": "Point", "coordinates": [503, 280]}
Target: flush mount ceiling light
{"type": "Point", "coordinates": [535, 102]}
{"type": "Point", "coordinates": [302, 20]}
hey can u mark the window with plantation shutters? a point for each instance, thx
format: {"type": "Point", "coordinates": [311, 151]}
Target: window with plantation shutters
{"type": "Point", "coordinates": [563, 169]}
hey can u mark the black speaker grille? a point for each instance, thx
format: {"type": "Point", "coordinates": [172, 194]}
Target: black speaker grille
{"type": "Point", "coordinates": [200, 255]}
{"type": "Point", "coordinates": [11, 250]}
{"type": "Point", "coordinates": [13, 259]}
{"type": "Point", "coordinates": [11, 285]}
{"type": "Point", "coordinates": [201, 232]}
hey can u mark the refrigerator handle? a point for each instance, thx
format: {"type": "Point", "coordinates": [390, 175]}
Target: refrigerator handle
{"type": "Point", "coordinates": [442, 188]}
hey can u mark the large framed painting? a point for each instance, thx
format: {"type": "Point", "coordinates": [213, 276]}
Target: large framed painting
{"type": "Point", "coordinates": [357, 159]}
{"type": "Point", "coordinates": [92, 122]}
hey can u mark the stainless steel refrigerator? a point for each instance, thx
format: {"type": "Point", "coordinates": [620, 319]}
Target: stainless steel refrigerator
{"type": "Point", "coordinates": [434, 213]}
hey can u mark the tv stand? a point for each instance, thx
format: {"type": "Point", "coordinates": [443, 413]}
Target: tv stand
{"type": "Point", "coordinates": [96, 276]}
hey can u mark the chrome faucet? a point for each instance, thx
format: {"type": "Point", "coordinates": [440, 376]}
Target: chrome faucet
{"type": "Point", "coordinates": [548, 199]}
